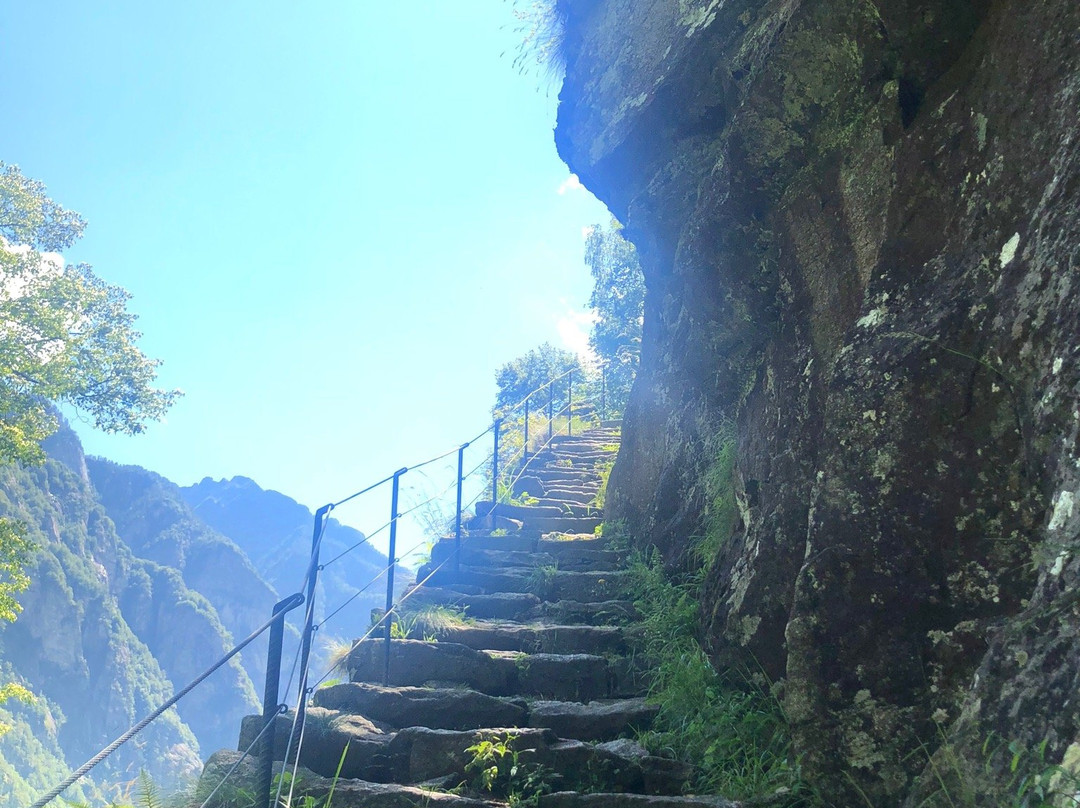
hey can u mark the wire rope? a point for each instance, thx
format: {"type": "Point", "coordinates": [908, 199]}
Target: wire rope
{"type": "Point", "coordinates": [81, 772]}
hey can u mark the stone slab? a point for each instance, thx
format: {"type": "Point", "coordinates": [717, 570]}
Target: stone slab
{"type": "Point", "coordinates": [437, 708]}
{"type": "Point", "coordinates": [595, 721]}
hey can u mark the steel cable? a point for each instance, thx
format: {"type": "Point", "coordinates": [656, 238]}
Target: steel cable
{"type": "Point", "coordinates": [80, 772]}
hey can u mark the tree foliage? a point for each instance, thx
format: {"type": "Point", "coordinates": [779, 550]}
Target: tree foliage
{"type": "Point", "coordinates": [618, 298]}
{"type": "Point", "coordinates": [532, 370]}
{"type": "Point", "coordinates": [65, 337]}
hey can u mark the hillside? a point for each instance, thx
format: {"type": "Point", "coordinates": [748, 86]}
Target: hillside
{"type": "Point", "coordinates": [132, 596]}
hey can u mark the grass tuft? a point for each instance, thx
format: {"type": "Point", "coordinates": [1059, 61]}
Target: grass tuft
{"type": "Point", "coordinates": [732, 731]}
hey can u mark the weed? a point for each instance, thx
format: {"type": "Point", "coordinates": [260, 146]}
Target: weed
{"type": "Point", "coordinates": [541, 580]}
{"type": "Point", "coordinates": [604, 468]}
{"type": "Point", "coordinates": [1027, 779]}
{"type": "Point", "coordinates": [288, 782]}
{"type": "Point", "coordinates": [427, 622]}
{"type": "Point", "coordinates": [720, 507]}
{"type": "Point", "coordinates": [500, 771]}
{"type": "Point", "coordinates": [730, 730]}
{"type": "Point", "coordinates": [337, 653]}
{"type": "Point", "coordinates": [617, 534]}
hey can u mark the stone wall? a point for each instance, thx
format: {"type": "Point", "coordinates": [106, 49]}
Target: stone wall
{"type": "Point", "coordinates": [860, 226]}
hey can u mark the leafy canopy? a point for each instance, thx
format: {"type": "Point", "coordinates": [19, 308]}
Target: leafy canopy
{"type": "Point", "coordinates": [530, 371]}
{"type": "Point", "coordinates": [65, 336]}
{"type": "Point", "coordinates": [618, 299]}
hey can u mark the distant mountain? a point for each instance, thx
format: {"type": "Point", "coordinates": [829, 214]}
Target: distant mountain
{"type": "Point", "coordinates": [84, 642]}
{"type": "Point", "coordinates": [275, 533]}
{"type": "Point", "coordinates": [153, 519]}
{"type": "Point", "coordinates": [137, 587]}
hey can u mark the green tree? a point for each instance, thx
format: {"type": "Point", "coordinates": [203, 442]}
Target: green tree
{"type": "Point", "coordinates": [65, 337]}
{"type": "Point", "coordinates": [618, 298]}
{"type": "Point", "coordinates": [529, 371]}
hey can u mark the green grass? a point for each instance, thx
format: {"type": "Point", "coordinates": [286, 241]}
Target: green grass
{"type": "Point", "coordinates": [730, 730]}
{"type": "Point", "coordinates": [541, 580]}
{"type": "Point", "coordinates": [720, 506]}
{"type": "Point", "coordinates": [603, 468]}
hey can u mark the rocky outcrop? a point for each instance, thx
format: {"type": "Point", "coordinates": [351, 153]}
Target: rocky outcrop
{"type": "Point", "coordinates": [858, 224]}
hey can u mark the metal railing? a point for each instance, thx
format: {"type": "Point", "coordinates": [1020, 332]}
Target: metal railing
{"type": "Point", "coordinates": [513, 467]}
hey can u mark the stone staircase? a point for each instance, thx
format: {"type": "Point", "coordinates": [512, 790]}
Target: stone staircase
{"type": "Point", "coordinates": [530, 674]}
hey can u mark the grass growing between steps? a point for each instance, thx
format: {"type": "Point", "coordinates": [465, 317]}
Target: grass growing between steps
{"type": "Point", "coordinates": [731, 731]}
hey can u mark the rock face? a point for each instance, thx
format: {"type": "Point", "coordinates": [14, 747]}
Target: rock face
{"type": "Point", "coordinates": [858, 222]}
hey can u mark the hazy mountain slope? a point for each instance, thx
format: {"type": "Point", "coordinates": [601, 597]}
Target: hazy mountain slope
{"type": "Point", "coordinates": [275, 532]}
{"type": "Point", "coordinates": [154, 521]}
{"type": "Point", "coordinates": [72, 645]}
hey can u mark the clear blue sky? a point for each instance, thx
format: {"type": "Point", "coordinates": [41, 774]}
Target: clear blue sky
{"type": "Point", "coordinates": [336, 218]}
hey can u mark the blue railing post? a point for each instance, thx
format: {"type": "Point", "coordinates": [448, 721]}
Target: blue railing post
{"type": "Point", "coordinates": [603, 390]}
{"type": "Point", "coordinates": [392, 559]}
{"type": "Point", "coordinates": [497, 428]}
{"type": "Point", "coordinates": [457, 520]}
{"type": "Point", "coordinates": [570, 403]}
{"type": "Point", "coordinates": [551, 409]}
{"type": "Point", "coordinates": [270, 697]}
{"type": "Point", "coordinates": [309, 620]}
{"type": "Point", "coordinates": [525, 448]}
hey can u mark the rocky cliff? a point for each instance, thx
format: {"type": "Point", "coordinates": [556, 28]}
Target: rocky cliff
{"type": "Point", "coordinates": [859, 223]}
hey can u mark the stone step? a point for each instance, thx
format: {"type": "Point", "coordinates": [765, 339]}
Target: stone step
{"type": "Point", "coordinates": [547, 583]}
{"type": "Point", "coordinates": [535, 487]}
{"type": "Point", "coordinates": [418, 754]}
{"type": "Point", "coordinates": [327, 734]}
{"type": "Point", "coordinates": [593, 613]}
{"type": "Point", "coordinates": [582, 495]}
{"type": "Point", "coordinates": [570, 677]}
{"type": "Point", "coordinates": [426, 754]}
{"type": "Point", "coordinates": [623, 765]}
{"type": "Point", "coordinates": [559, 478]}
{"type": "Point", "coordinates": [599, 438]}
{"type": "Point", "coordinates": [567, 676]}
{"type": "Point", "coordinates": [348, 793]}
{"type": "Point", "coordinates": [522, 513]}
{"type": "Point", "coordinates": [592, 721]}
{"type": "Point", "coordinates": [576, 475]}
{"type": "Point", "coordinates": [574, 455]}
{"type": "Point", "coordinates": [578, 799]}
{"type": "Point", "coordinates": [522, 541]}
{"type": "Point", "coordinates": [565, 524]}
{"type": "Point", "coordinates": [414, 663]}
{"type": "Point", "coordinates": [529, 513]}
{"type": "Point", "coordinates": [522, 606]}
{"type": "Point", "coordinates": [535, 638]}
{"type": "Point", "coordinates": [567, 552]}
{"type": "Point", "coordinates": [474, 557]}
{"type": "Point", "coordinates": [498, 605]}
{"type": "Point", "coordinates": [436, 708]}
{"type": "Point", "coordinates": [580, 550]}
